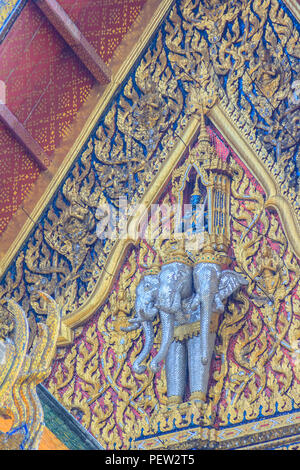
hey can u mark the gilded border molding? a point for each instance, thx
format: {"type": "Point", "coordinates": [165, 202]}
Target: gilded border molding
{"type": "Point", "coordinates": [13, 9]}
{"type": "Point", "coordinates": [263, 433]}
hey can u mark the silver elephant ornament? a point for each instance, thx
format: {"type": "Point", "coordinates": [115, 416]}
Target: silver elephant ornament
{"type": "Point", "coordinates": [182, 295]}
{"type": "Point", "coordinates": [212, 286]}
{"type": "Point", "coordinates": [163, 293]}
{"type": "Point", "coordinates": [146, 310]}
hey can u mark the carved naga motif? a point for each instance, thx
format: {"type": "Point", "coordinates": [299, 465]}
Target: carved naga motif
{"type": "Point", "coordinates": [22, 370]}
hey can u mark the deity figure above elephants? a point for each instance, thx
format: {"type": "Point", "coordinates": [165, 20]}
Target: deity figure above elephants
{"type": "Point", "coordinates": [186, 298]}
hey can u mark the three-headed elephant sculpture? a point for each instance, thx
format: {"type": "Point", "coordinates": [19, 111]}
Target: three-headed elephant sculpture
{"type": "Point", "coordinates": [183, 296]}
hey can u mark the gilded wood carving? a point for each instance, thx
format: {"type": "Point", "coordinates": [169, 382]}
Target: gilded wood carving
{"type": "Point", "coordinates": [237, 61]}
{"type": "Point", "coordinates": [254, 372]}
{"type": "Point", "coordinates": [25, 362]}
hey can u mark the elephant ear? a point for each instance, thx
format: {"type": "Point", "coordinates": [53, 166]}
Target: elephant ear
{"type": "Point", "coordinates": [229, 282]}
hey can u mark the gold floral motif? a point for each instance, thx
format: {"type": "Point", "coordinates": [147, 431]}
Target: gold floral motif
{"type": "Point", "coordinates": [258, 376]}
{"type": "Point", "coordinates": [261, 341]}
{"type": "Point", "coordinates": [95, 401]}
{"type": "Point", "coordinates": [184, 73]}
{"type": "Point", "coordinates": [6, 324]}
{"type": "Point", "coordinates": [255, 335]}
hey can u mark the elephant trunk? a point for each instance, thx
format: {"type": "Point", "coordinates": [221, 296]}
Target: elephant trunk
{"type": "Point", "coordinates": [167, 323]}
{"type": "Point", "coordinates": [205, 326]}
{"type": "Point", "coordinates": [207, 277]}
{"type": "Point", "coordinates": [149, 338]}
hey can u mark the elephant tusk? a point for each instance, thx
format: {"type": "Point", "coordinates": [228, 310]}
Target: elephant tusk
{"type": "Point", "coordinates": [154, 366]}
{"type": "Point", "coordinates": [135, 325]}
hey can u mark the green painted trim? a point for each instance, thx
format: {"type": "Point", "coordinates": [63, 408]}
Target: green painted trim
{"type": "Point", "coordinates": [63, 425]}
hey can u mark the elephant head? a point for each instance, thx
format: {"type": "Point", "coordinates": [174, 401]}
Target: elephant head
{"type": "Point", "coordinates": [146, 295]}
{"type": "Point", "coordinates": [175, 285]}
{"type": "Point", "coordinates": [212, 286]}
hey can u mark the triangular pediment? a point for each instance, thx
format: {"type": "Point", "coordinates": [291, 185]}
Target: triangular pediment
{"type": "Point", "coordinates": [134, 147]}
{"type": "Point", "coordinates": [217, 64]}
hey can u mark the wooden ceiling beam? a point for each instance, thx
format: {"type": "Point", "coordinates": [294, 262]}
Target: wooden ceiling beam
{"type": "Point", "coordinates": [12, 123]}
{"type": "Point", "coordinates": [64, 25]}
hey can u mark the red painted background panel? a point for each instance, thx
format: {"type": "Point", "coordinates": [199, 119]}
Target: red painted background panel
{"type": "Point", "coordinates": [46, 84]}
{"type": "Point", "coordinates": [104, 22]}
